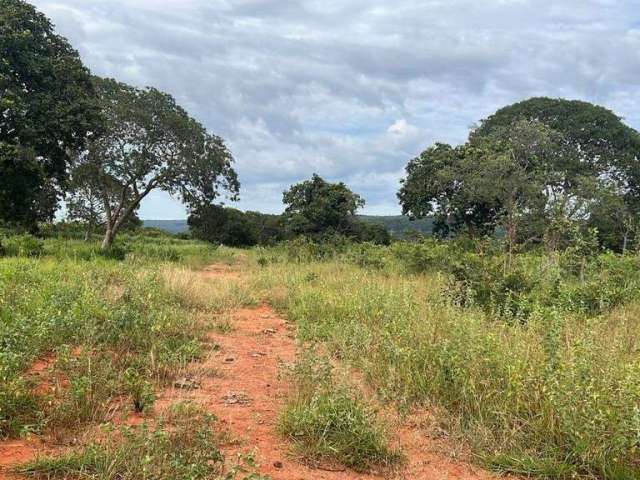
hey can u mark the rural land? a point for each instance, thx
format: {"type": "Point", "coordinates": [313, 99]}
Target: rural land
{"type": "Point", "coordinates": [489, 330]}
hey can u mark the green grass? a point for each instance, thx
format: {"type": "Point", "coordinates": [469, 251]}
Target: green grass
{"type": "Point", "coordinates": [121, 317]}
{"type": "Point", "coordinates": [130, 326]}
{"type": "Point", "coordinates": [556, 396]}
{"type": "Point", "coordinates": [536, 366]}
{"type": "Point", "coordinates": [184, 444]}
{"type": "Point", "coordinates": [327, 420]}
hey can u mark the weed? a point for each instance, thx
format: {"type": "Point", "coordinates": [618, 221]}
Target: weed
{"type": "Point", "coordinates": [140, 390]}
{"type": "Point", "coordinates": [182, 445]}
{"type": "Point", "coordinates": [328, 421]}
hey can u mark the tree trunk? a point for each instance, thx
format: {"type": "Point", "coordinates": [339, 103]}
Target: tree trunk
{"type": "Point", "coordinates": [88, 232]}
{"type": "Point", "coordinates": [109, 236]}
{"type": "Point", "coordinates": [624, 241]}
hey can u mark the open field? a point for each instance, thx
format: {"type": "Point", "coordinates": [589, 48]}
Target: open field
{"type": "Point", "coordinates": [186, 353]}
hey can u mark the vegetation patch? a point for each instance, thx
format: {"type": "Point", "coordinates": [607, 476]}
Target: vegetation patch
{"type": "Point", "coordinates": [555, 395]}
{"type": "Point", "coordinates": [328, 421]}
{"type": "Point", "coordinates": [183, 444]}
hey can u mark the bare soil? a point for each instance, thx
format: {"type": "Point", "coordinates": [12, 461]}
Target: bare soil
{"type": "Point", "coordinates": [242, 383]}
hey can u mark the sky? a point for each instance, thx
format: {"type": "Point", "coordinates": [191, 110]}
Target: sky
{"type": "Point", "coordinates": [353, 89]}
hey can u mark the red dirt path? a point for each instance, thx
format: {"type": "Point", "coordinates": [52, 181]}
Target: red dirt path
{"type": "Point", "coordinates": [241, 383]}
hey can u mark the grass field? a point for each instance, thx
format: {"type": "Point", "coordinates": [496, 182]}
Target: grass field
{"type": "Point", "coordinates": [541, 380]}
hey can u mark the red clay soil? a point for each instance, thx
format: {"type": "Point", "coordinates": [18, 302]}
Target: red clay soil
{"type": "Point", "coordinates": [248, 391]}
{"type": "Point", "coordinates": [241, 382]}
{"type": "Point", "coordinates": [13, 452]}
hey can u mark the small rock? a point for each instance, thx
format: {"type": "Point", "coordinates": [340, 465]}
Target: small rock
{"type": "Point", "coordinates": [229, 359]}
{"type": "Point", "coordinates": [236, 398]}
{"type": "Point", "coordinates": [278, 464]}
{"type": "Point", "coordinates": [187, 384]}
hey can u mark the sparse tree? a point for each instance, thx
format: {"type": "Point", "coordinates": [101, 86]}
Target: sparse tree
{"type": "Point", "coordinates": [149, 143]}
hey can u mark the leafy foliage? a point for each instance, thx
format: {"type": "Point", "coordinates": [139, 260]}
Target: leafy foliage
{"type": "Point", "coordinates": [148, 143]}
{"type": "Point", "coordinates": [48, 109]}
{"type": "Point", "coordinates": [315, 207]}
{"type": "Point", "coordinates": [536, 169]}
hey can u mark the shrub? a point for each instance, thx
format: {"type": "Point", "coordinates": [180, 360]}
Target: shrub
{"type": "Point", "coordinates": [24, 245]}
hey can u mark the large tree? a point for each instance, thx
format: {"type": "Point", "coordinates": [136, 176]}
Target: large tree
{"type": "Point", "coordinates": [150, 143]}
{"type": "Point", "coordinates": [48, 111]}
{"type": "Point", "coordinates": [438, 184]}
{"type": "Point", "coordinates": [316, 206]}
{"type": "Point", "coordinates": [530, 168]}
{"type": "Point", "coordinates": [597, 159]}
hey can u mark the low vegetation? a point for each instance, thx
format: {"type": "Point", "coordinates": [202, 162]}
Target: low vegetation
{"type": "Point", "coordinates": [530, 358]}
{"type": "Point", "coordinates": [101, 326]}
{"type": "Point", "coordinates": [183, 444]}
{"type": "Point", "coordinates": [327, 420]}
{"type": "Point", "coordinates": [541, 380]}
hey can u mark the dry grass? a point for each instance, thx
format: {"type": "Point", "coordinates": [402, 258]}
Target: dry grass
{"type": "Point", "coordinates": [216, 294]}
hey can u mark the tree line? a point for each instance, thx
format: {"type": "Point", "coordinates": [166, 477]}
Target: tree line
{"type": "Point", "coordinates": [315, 208]}
{"type": "Point", "coordinates": [542, 172]}
{"type": "Point", "coordinates": [100, 143]}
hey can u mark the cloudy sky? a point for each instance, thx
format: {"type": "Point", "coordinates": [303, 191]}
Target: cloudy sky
{"type": "Point", "coordinates": [352, 89]}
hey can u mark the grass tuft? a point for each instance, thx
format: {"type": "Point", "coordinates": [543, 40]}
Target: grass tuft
{"type": "Point", "coordinates": [327, 421]}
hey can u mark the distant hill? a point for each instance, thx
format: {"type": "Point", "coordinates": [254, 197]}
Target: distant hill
{"type": "Point", "coordinates": [398, 225]}
{"type": "Point", "coordinates": [172, 226]}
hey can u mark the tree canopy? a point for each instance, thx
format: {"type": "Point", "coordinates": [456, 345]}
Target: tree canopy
{"type": "Point", "coordinates": [48, 112]}
{"type": "Point", "coordinates": [149, 142]}
{"type": "Point", "coordinates": [528, 168]}
{"type": "Point", "coordinates": [316, 206]}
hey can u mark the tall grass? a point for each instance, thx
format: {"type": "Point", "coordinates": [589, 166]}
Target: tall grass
{"type": "Point", "coordinates": [122, 318]}
{"type": "Point", "coordinates": [557, 395]}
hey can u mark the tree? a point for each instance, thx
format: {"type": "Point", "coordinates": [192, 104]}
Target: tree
{"type": "Point", "coordinates": [516, 173]}
{"type": "Point", "coordinates": [598, 156]}
{"type": "Point", "coordinates": [270, 228]}
{"type": "Point", "coordinates": [316, 207]}
{"type": "Point", "coordinates": [437, 184]}
{"type": "Point", "coordinates": [48, 112]}
{"type": "Point", "coordinates": [85, 200]}
{"type": "Point", "coordinates": [150, 143]}
{"type": "Point", "coordinates": [596, 137]}
{"type": "Point", "coordinates": [539, 169]}
{"type": "Point", "coordinates": [371, 232]}
{"type": "Point", "coordinates": [226, 226]}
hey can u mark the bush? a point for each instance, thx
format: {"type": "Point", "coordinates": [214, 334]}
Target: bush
{"type": "Point", "coordinates": [425, 256]}
{"type": "Point", "coordinates": [24, 245]}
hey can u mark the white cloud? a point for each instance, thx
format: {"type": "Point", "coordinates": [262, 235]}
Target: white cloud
{"type": "Point", "coordinates": [352, 89]}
